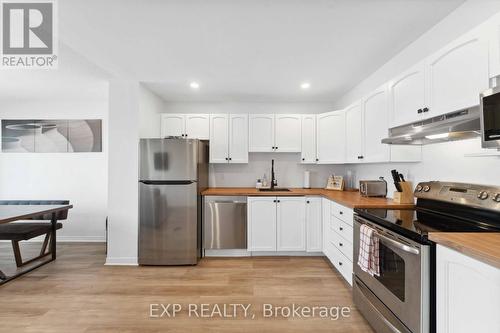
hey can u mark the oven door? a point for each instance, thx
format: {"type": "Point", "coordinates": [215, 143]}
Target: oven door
{"type": "Point", "coordinates": [403, 284]}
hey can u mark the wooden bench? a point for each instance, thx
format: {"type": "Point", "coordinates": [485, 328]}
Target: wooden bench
{"type": "Point", "coordinates": [20, 231]}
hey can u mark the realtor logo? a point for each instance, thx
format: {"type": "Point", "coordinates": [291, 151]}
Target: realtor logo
{"type": "Point", "coordinates": [28, 34]}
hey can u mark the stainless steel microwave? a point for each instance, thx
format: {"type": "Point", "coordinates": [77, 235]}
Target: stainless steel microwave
{"type": "Point", "coordinates": [490, 118]}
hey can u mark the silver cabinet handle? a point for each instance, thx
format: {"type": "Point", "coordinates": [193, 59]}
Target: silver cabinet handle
{"type": "Point", "coordinates": [397, 244]}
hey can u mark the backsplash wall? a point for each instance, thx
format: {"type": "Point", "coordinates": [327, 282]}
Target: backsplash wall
{"type": "Point", "coordinates": [289, 172]}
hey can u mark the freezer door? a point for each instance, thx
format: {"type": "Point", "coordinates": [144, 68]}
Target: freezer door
{"type": "Point", "coordinates": [168, 159]}
{"type": "Point", "coordinates": [168, 224]}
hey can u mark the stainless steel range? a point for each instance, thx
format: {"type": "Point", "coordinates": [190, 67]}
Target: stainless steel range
{"type": "Point", "coordinates": [401, 298]}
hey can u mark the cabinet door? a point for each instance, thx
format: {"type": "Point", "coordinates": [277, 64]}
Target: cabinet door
{"type": "Point", "coordinates": [467, 294]}
{"type": "Point", "coordinates": [407, 96]}
{"type": "Point", "coordinates": [325, 221]}
{"type": "Point", "coordinates": [291, 221]}
{"type": "Point", "coordinates": [261, 223]}
{"type": "Point", "coordinates": [375, 118]}
{"type": "Point", "coordinates": [308, 142]}
{"type": "Point", "coordinates": [288, 133]}
{"type": "Point", "coordinates": [330, 137]}
{"type": "Point", "coordinates": [172, 125]}
{"type": "Point", "coordinates": [354, 133]}
{"type": "Point", "coordinates": [314, 235]}
{"type": "Point", "coordinates": [261, 132]}
{"type": "Point", "coordinates": [219, 138]}
{"type": "Point", "coordinates": [197, 126]}
{"type": "Point", "coordinates": [238, 138]}
{"type": "Point", "coordinates": [457, 75]}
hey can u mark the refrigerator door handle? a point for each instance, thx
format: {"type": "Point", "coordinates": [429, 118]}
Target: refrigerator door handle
{"type": "Point", "coordinates": [167, 182]}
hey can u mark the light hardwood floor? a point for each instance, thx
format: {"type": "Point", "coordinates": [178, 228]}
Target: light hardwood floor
{"type": "Point", "coordinates": [77, 293]}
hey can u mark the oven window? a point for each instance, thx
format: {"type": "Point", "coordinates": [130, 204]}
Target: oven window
{"type": "Point", "coordinates": [392, 271]}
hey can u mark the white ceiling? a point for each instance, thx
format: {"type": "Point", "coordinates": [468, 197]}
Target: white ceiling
{"type": "Point", "coordinates": [246, 50]}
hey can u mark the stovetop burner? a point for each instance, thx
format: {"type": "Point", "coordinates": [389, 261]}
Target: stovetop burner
{"type": "Point", "coordinates": [442, 207]}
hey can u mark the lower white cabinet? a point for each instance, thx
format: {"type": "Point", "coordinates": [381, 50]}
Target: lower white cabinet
{"type": "Point", "coordinates": [279, 224]}
{"type": "Point", "coordinates": [467, 294]}
{"type": "Point", "coordinates": [313, 224]}
{"type": "Point", "coordinates": [291, 220]}
{"type": "Point", "coordinates": [261, 223]}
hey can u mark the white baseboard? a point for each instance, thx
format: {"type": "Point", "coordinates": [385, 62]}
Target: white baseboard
{"type": "Point", "coordinates": [122, 261]}
{"type": "Point", "coordinates": [228, 253]}
{"type": "Point", "coordinates": [246, 253]}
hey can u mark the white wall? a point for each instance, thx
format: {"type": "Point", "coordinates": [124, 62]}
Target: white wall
{"type": "Point", "coordinates": [123, 172]}
{"type": "Point", "coordinates": [150, 106]}
{"type": "Point", "coordinates": [445, 161]}
{"type": "Point", "coordinates": [289, 172]}
{"type": "Point", "coordinates": [78, 177]}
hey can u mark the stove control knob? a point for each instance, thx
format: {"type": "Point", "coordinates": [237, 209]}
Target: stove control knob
{"type": "Point", "coordinates": [427, 188]}
{"type": "Point", "coordinates": [496, 197]}
{"type": "Point", "coordinates": [483, 195]}
{"type": "Point", "coordinates": [419, 188]}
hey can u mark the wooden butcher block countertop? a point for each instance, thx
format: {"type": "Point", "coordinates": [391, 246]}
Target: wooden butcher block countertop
{"type": "Point", "coordinates": [350, 199]}
{"type": "Point", "coordinates": [483, 246]}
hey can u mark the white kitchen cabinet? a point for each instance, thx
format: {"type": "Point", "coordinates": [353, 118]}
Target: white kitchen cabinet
{"type": "Point", "coordinates": [219, 140]}
{"type": "Point", "coordinates": [192, 126]}
{"type": "Point", "coordinates": [467, 294]}
{"type": "Point", "coordinates": [325, 222]}
{"type": "Point", "coordinates": [354, 133]}
{"type": "Point", "coordinates": [197, 126]}
{"type": "Point", "coordinates": [314, 233]}
{"type": "Point", "coordinates": [228, 138]}
{"type": "Point", "coordinates": [173, 125]}
{"type": "Point", "coordinates": [457, 74]}
{"type": "Point", "coordinates": [291, 224]}
{"type": "Point", "coordinates": [376, 120]}
{"type": "Point", "coordinates": [308, 142]}
{"type": "Point", "coordinates": [288, 133]}
{"type": "Point", "coordinates": [330, 137]}
{"type": "Point", "coordinates": [238, 138]}
{"type": "Point", "coordinates": [261, 223]}
{"type": "Point", "coordinates": [261, 132]}
{"type": "Point", "coordinates": [407, 94]}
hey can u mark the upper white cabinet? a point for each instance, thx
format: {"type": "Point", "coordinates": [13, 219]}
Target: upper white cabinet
{"type": "Point", "coordinates": [291, 224]}
{"type": "Point", "coordinates": [191, 126]}
{"type": "Point", "coordinates": [173, 125]}
{"type": "Point", "coordinates": [354, 133]}
{"type": "Point", "coordinates": [275, 133]}
{"type": "Point", "coordinates": [376, 120]}
{"type": "Point", "coordinates": [288, 133]}
{"type": "Point", "coordinates": [457, 74]}
{"type": "Point", "coordinates": [308, 142]}
{"type": "Point", "coordinates": [467, 294]}
{"type": "Point", "coordinates": [228, 138]}
{"type": "Point", "coordinates": [330, 137]}
{"type": "Point", "coordinates": [261, 132]}
{"type": "Point", "coordinates": [314, 233]}
{"type": "Point", "coordinates": [197, 126]}
{"type": "Point", "coordinates": [408, 96]}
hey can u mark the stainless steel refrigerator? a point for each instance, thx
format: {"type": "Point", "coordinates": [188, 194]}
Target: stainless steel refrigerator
{"type": "Point", "coordinates": [172, 175]}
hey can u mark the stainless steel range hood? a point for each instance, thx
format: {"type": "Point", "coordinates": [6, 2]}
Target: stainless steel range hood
{"type": "Point", "coordinates": [452, 126]}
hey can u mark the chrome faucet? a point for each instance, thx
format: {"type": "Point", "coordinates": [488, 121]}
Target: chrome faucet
{"type": "Point", "coordinates": [274, 182]}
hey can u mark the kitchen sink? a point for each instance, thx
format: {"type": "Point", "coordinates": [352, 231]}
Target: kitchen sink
{"type": "Point", "coordinates": [276, 189]}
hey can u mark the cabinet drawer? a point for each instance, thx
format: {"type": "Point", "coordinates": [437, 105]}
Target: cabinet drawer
{"type": "Point", "coordinates": [345, 231]}
{"type": "Point", "coordinates": [343, 245]}
{"type": "Point", "coordinates": [343, 265]}
{"type": "Point", "coordinates": [343, 213]}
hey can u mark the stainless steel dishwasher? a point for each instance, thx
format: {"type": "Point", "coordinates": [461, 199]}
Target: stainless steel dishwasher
{"type": "Point", "coordinates": [225, 222]}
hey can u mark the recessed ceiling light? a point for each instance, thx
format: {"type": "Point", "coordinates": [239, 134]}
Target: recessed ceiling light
{"type": "Point", "coordinates": [305, 85]}
{"type": "Point", "coordinates": [194, 85]}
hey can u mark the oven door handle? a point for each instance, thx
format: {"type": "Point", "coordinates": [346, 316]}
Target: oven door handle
{"type": "Point", "coordinates": [397, 244]}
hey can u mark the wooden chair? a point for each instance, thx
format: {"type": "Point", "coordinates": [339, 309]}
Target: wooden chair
{"type": "Point", "coordinates": [20, 231]}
